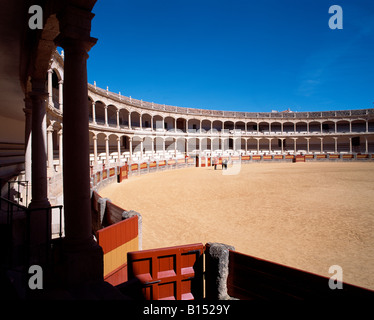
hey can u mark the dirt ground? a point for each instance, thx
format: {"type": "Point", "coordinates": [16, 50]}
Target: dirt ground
{"type": "Point", "coordinates": [306, 215]}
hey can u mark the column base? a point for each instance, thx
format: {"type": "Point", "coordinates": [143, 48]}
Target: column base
{"type": "Point", "coordinates": [81, 264]}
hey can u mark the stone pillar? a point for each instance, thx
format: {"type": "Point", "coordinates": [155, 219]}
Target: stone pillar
{"type": "Point", "coordinates": [129, 120]}
{"type": "Point", "coordinates": [50, 147]}
{"type": "Point", "coordinates": [321, 145]}
{"type": "Point", "coordinates": [217, 271]}
{"type": "Point", "coordinates": [93, 112]}
{"type": "Point", "coordinates": [350, 145]}
{"type": "Point", "coordinates": [106, 115]}
{"type": "Point", "coordinates": [336, 143]}
{"type": "Point", "coordinates": [94, 138]}
{"type": "Point", "coordinates": [294, 145]}
{"type": "Point", "coordinates": [60, 94]}
{"type": "Point", "coordinates": [107, 150]}
{"type": "Point", "coordinates": [307, 145]}
{"type": "Point", "coordinates": [366, 145]}
{"type": "Point", "coordinates": [83, 261]}
{"type": "Point", "coordinates": [119, 149]}
{"type": "Point", "coordinates": [117, 118]}
{"type": "Point", "coordinates": [50, 92]}
{"type": "Point", "coordinates": [282, 140]}
{"type": "Point", "coordinates": [38, 153]}
{"type": "Point", "coordinates": [60, 149]}
{"type": "Point", "coordinates": [39, 219]}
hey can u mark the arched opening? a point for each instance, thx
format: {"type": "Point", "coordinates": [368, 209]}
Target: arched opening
{"type": "Point", "coordinates": [276, 127]}
{"type": "Point", "coordinates": [217, 126]}
{"type": "Point", "coordinates": [264, 127]}
{"type": "Point", "coordinates": [228, 126]}
{"type": "Point", "coordinates": [205, 126]}
{"type": "Point", "coordinates": [100, 112]}
{"type": "Point", "coordinates": [252, 145]}
{"type": "Point", "coordinates": [135, 120]}
{"type": "Point", "coordinates": [314, 127]}
{"type": "Point", "coordinates": [193, 126]}
{"type": "Point", "coordinates": [158, 123]}
{"type": "Point", "coordinates": [169, 124]}
{"type": "Point", "coordinates": [342, 126]}
{"type": "Point", "coordinates": [181, 125]}
{"type": "Point", "coordinates": [358, 126]}
{"type": "Point", "coordinates": [288, 127]}
{"type": "Point", "coordinates": [252, 127]}
{"type": "Point", "coordinates": [328, 126]}
{"type": "Point", "coordinates": [301, 127]}
{"type": "Point", "coordinates": [146, 121]}
{"type": "Point", "coordinates": [112, 115]}
{"type": "Point", "coordinates": [124, 118]}
{"type": "Point", "coordinates": [239, 127]}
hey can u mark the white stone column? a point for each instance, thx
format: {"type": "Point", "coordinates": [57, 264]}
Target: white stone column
{"type": "Point", "coordinates": [141, 122]}
{"type": "Point", "coordinates": [153, 147]}
{"type": "Point", "coordinates": [61, 94]}
{"type": "Point", "coordinates": [50, 90]}
{"type": "Point", "coordinates": [175, 125]}
{"type": "Point", "coordinates": [60, 149]}
{"type": "Point", "coordinates": [258, 144]}
{"type": "Point", "coordinates": [294, 145]}
{"type": "Point", "coordinates": [336, 143]}
{"type": "Point", "coordinates": [50, 147]}
{"type": "Point", "coordinates": [106, 115]}
{"type": "Point", "coordinates": [366, 145]}
{"type": "Point", "coordinates": [117, 118]}
{"type": "Point", "coordinates": [119, 149]}
{"type": "Point", "coordinates": [321, 145]}
{"type": "Point", "coordinates": [307, 144]}
{"type": "Point", "coordinates": [269, 144]}
{"type": "Point", "coordinates": [152, 123]}
{"type": "Point", "coordinates": [93, 112]}
{"type": "Point", "coordinates": [129, 120]}
{"type": "Point", "coordinates": [107, 150]}
{"type": "Point", "coordinates": [350, 145]}
{"type": "Point", "coordinates": [282, 140]}
{"type": "Point", "coordinates": [94, 138]}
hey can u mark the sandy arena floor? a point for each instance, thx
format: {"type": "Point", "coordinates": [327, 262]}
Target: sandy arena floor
{"type": "Point", "coordinates": [306, 215]}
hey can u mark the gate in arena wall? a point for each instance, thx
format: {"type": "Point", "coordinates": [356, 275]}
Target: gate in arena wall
{"type": "Point", "coordinates": [174, 273]}
{"type": "Point", "coordinates": [116, 240]}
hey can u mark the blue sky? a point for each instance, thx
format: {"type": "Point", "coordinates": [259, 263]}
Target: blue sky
{"type": "Point", "coordinates": [239, 55]}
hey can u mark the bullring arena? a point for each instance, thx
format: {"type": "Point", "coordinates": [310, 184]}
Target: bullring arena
{"type": "Point", "coordinates": [298, 190]}
{"type": "Point", "coordinates": [307, 215]}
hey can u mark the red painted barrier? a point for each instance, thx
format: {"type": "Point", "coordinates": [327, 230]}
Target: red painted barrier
{"type": "Point", "coordinates": [174, 273]}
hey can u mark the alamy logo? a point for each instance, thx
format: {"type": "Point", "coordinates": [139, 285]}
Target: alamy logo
{"type": "Point", "coordinates": [336, 21]}
{"type": "Point", "coordinates": [336, 280]}
{"type": "Point", "coordinates": [36, 280]}
{"type": "Point", "coordinates": [36, 20]}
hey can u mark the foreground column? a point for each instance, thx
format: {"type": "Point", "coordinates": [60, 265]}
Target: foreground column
{"type": "Point", "coordinates": [84, 258]}
{"type": "Point", "coordinates": [38, 153]}
{"type": "Point", "coordinates": [39, 227]}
